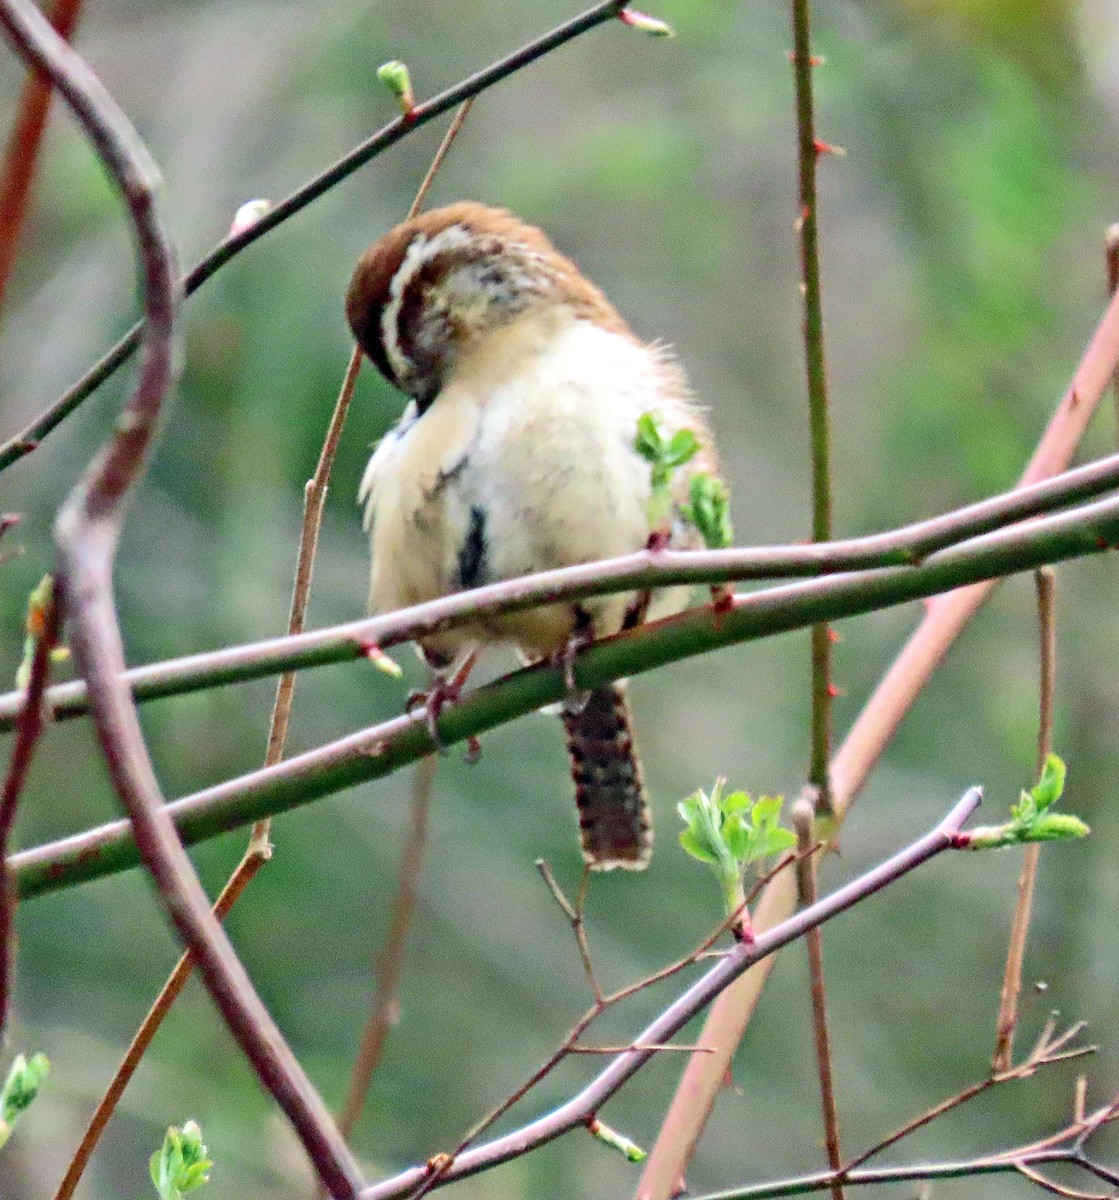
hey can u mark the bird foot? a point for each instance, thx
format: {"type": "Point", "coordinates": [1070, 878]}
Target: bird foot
{"type": "Point", "coordinates": [445, 691]}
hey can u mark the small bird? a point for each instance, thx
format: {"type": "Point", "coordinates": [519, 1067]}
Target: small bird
{"type": "Point", "coordinates": [518, 453]}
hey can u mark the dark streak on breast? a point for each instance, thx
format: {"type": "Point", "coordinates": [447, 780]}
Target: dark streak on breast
{"type": "Point", "coordinates": [472, 552]}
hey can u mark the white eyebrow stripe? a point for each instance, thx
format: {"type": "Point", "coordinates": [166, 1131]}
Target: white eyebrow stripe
{"type": "Point", "coordinates": [421, 250]}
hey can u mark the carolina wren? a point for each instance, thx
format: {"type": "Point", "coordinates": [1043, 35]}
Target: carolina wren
{"type": "Point", "coordinates": [517, 454]}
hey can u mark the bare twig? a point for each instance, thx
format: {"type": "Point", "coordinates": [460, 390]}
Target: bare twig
{"type": "Point", "coordinates": [803, 820]}
{"type": "Point", "coordinates": [1020, 923]}
{"type": "Point", "coordinates": [389, 964]}
{"type": "Point", "coordinates": [390, 961]}
{"type": "Point", "coordinates": [440, 154]}
{"type": "Point", "coordinates": [574, 1112]}
{"type": "Point", "coordinates": [22, 155]}
{"type": "Point", "coordinates": [28, 731]}
{"type": "Point", "coordinates": [29, 439]}
{"type": "Point", "coordinates": [259, 850]}
{"type": "Point", "coordinates": [575, 914]}
{"type": "Point", "coordinates": [1049, 1049]}
{"type": "Point", "coordinates": [945, 619]}
{"type": "Point", "coordinates": [253, 860]}
{"type": "Point", "coordinates": [808, 151]}
{"type": "Point", "coordinates": [911, 545]}
{"type": "Point", "coordinates": [1111, 260]}
{"type": "Point", "coordinates": [86, 532]}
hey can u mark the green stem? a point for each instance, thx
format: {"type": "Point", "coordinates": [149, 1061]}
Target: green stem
{"type": "Point", "coordinates": [376, 753]}
{"type": "Point", "coordinates": [816, 370]}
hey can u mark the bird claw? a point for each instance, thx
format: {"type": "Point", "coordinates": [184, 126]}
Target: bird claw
{"type": "Point", "coordinates": [445, 690]}
{"type": "Point", "coordinates": [564, 658]}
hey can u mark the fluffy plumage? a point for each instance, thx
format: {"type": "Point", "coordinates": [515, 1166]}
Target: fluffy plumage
{"type": "Point", "coordinates": [517, 453]}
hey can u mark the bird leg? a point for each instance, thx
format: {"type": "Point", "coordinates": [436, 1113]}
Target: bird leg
{"type": "Point", "coordinates": [581, 636]}
{"type": "Point", "coordinates": [638, 608]}
{"type": "Point", "coordinates": [446, 688]}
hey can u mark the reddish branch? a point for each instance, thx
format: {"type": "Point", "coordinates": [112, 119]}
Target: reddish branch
{"type": "Point", "coordinates": [22, 155]}
{"type": "Point", "coordinates": [87, 532]}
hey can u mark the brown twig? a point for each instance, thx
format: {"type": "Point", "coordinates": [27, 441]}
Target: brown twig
{"type": "Point", "coordinates": [803, 821]}
{"type": "Point", "coordinates": [1020, 923]}
{"type": "Point", "coordinates": [389, 964]}
{"type": "Point", "coordinates": [259, 850]}
{"type": "Point", "coordinates": [254, 858]}
{"type": "Point", "coordinates": [28, 731]}
{"type": "Point", "coordinates": [575, 913]}
{"type": "Point", "coordinates": [1050, 1048]}
{"type": "Point", "coordinates": [87, 532]}
{"type": "Point", "coordinates": [22, 155]}
{"type": "Point", "coordinates": [1111, 260]}
{"type": "Point", "coordinates": [945, 618]}
{"type": "Point", "coordinates": [29, 438]}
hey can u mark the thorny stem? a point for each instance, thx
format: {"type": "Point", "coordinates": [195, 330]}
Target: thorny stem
{"type": "Point", "coordinates": [22, 155]}
{"type": "Point", "coordinates": [808, 151]}
{"type": "Point", "coordinates": [86, 534]}
{"type": "Point", "coordinates": [671, 1020]}
{"type": "Point", "coordinates": [28, 732]}
{"type": "Point", "coordinates": [803, 821]}
{"type": "Point", "coordinates": [911, 545]}
{"type": "Point", "coordinates": [29, 439]}
{"type": "Point", "coordinates": [375, 753]}
{"type": "Point", "coordinates": [944, 620]}
{"type": "Point", "coordinates": [1045, 581]}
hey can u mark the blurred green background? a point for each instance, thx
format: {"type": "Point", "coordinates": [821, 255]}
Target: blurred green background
{"type": "Point", "coordinates": [963, 276]}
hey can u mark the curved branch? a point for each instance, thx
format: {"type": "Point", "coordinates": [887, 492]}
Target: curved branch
{"type": "Point", "coordinates": [86, 533]}
{"type": "Point", "coordinates": [28, 439]}
{"type": "Point", "coordinates": [374, 753]}
{"type": "Point", "coordinates": [911, 544]}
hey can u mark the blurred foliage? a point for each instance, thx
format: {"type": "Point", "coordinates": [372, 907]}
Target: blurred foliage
{"type": "Point", "coordinates": [963, 276]}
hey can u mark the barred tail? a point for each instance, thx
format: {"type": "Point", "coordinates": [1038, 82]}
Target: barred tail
{"type": "Point", "coordinates": [614, 818]}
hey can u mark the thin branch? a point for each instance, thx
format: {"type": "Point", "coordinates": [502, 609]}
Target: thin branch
{"type": "Point", "coordinates": [944, 620]}
{"type": "Point", "coordinates": [254, 858]}
{"type": "Point", "coordinates": [815, 363]}
{"type": "Point", "coordinates": [575, 914]}
{"type": "Point", "coordinates": [86, 533]}
{"type": "Point", "coordinates": [375, 753]}
{"type": "Point", "coordinates": [1045, 1054]}
{"type": "Point", "coordinates": [807, 895]}
{"type": "Point", "coordinates": [28, 732]}
{"type": "Point", "coordinates": [22, 155]}
{"type": "Point", "coordinates": [259, 850]}
{"type": "Point", "coordinates": [910, 545]}
{"type": "Point", "coordinates": [575, 1112]}
{"type": "Point", "coordinates": [29, 439]}
{"type": "Point", "coordinates": [1045, 581]}
{"type": "Point", "coordinates": [389, 965]}
{"type": "Point", "coordinates": [1111, 261]}
{"type": "Point", "coordinates": [437, 162]}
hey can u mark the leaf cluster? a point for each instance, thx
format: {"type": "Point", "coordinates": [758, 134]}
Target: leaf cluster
{"type": "Point", "coordinates": [731, 832]}
{"type": "Point", "coordinates": [1032, 819]}
{"type": "Point", "coordinates": [180, 1165]}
